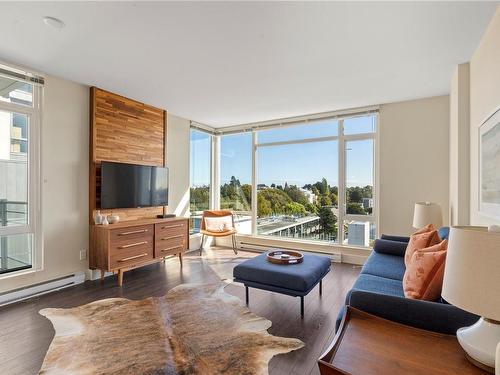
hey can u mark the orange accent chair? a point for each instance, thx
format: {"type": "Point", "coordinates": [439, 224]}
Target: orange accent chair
{"type": "Point", "coordinates": [221, 233]}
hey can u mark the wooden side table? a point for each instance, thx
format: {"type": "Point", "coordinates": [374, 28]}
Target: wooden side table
{"type": "Point", "coordinates": [366, 344]}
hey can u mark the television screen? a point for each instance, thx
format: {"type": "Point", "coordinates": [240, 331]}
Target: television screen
{"type": "Point", "coordinates": [131, 186]}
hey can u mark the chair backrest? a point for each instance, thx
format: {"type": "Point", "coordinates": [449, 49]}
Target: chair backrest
{"type": "Point", "coordinates": [215, 213]}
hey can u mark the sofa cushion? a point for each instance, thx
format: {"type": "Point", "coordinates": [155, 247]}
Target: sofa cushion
{"type": "Point", "coordinates": [300, 277]}
{"type": "Point", "coordinates": [423, 278]}
{"type": "Point", "coordinates": [380, 285]}
{"type": "Point", "coordinates": [384, 265]}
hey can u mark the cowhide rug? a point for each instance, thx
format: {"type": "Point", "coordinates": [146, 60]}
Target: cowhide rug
{"type": "Point", "coordinates": [194, 329]}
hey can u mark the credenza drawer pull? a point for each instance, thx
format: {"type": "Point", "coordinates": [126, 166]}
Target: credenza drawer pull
{"type": "Point", "coordinates": [173, 237]}
{"type": "Point", "coordinates": [133, 232]}
{"type": "Point", "coordinates": [132, 244]}
{"type": "Point", "coordinates": [171, 248]}
{"type": "Point", "coordinates": [172, 226]}
{"type": "Point", "coordinates": [134, 257]}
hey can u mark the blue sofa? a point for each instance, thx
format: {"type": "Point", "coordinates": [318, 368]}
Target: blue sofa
{"type": "Point", "coordinates": [379, 291]}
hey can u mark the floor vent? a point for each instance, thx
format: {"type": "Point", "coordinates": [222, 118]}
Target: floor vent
{"type": "Point", "coordinates": [42, 288]}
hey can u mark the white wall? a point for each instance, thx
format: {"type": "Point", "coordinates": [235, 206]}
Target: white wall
{"type": "Point", "coordinates": [414, 160]}
{"type": "Point", "coordinates": [484, 100]}
{"type": "Point", "coordinates": [178, 164]}
{"type": "Point", "coordinates": [65, 169]}
{"type": "Point", "coordinates": [64, 160]}
{"type": "Point", "coordinates": [459, 146]}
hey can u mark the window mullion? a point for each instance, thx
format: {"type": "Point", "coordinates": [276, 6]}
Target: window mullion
{"type": "Point", "coordinates": [342, 188]}
{"type": "Point", "coordinates": [254, 183]}
{"type": "Point", "coordinates": [215, 173]}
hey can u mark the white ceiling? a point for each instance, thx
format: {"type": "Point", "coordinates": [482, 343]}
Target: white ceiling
{"type": "Point", "coordinates": [232, 63]}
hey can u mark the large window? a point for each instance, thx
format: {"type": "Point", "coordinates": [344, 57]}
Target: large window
{"type": "Point", "coordinates": [200, 176]}
{"type": "Point", "coordinates": [312, 181]}
{"type": "Point", "coordinates": [19, 214]}
{"type": "Point", "coordinates": [236, 178]}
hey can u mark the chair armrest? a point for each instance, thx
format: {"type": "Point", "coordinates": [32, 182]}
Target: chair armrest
{"type": "Point", "coordinates": [395, 238]}
{"type": "Point", "coordinates": [431, 316]}
{"type": "Point", "coordinates": [383, 246]}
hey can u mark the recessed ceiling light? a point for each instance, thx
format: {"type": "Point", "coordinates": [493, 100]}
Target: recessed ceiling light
{"type": "Point", "coordinates": [54, 22]}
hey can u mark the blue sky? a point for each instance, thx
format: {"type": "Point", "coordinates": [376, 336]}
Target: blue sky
{"type": "Point", "coordinates": [297, 164]}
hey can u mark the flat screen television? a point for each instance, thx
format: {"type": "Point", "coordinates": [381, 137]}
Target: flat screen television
{"type": "Point", "coordinates": [133, 186]}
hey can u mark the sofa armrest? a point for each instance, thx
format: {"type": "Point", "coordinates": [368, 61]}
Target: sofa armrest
{"type": "Point", "coordinates": [431, 316]}
{"type": "Point", "coordinates": [395, 238]}
{"type": "Point", "coordinates": [383, 246]}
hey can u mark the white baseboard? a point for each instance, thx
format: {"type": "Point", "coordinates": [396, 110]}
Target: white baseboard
{"type": "Point", "coordinates": [41, 289]}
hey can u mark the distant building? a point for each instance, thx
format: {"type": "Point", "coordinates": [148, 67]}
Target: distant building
{"type": "Point", "coordinates": [358, 233]}
{"type": "Point", "coordinates": [261, 186]}
{"type": "Point", "coordinates": [367, 203]}
{"type": "Point", "coordinates": [311, 197]}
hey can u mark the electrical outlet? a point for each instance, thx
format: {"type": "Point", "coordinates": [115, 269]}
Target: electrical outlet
{"type": "Point", "coordinates": [83, 254]}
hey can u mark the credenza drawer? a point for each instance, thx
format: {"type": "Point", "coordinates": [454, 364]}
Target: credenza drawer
{"type": "Point", "coordinates": [129, 256]}
{"type": "Point", "coordinates": [170, 245]}
{"type": "Point", "coordinates": [122, 236]}
{"type": "Point", "coordinates": [171, 229]}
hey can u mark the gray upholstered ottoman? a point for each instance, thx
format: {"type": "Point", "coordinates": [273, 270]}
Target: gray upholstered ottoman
{"type": "Point", "coordinates": [295, 280]}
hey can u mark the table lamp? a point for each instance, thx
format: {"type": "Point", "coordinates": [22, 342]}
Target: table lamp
{"type": "Point", "coordinates": [427, 213]}
{"type": "Point", "coordinates": [472, 283]}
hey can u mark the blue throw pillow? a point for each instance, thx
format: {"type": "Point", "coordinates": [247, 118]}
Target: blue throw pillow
{"type": "Point", "coordinates": [444, 233]}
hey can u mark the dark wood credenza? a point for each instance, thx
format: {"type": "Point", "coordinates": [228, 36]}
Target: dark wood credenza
{"type": "Point", "coordinates": [130, 244]}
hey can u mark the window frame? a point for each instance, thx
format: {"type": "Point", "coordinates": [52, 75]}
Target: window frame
{"type": "Point", "coordinates": [342, 167]}
{"type": "Point", "coordinates": [214, 167]}
{"type": "Point", "coordinates": [34, 224]}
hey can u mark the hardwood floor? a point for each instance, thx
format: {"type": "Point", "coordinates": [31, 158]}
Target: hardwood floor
{"type": "Point", "coordinates": [25, 335]}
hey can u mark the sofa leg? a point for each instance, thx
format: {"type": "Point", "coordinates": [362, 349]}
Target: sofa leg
{"type": "Point", "coordinates": [302, 307]}
{"type": "Point", "coordinates": [321, 287]}
{"type": "Point", "coordinates": [246, 295]}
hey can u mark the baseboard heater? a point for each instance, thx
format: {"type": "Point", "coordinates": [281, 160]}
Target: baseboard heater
{"type": "Point", "coordinates": [247, 246]}
{"type": "Point", "coordinates": [41, 289]}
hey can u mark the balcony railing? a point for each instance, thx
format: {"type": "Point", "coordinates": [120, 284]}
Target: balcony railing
{"type": "Point", "coordinates": [13, 250]}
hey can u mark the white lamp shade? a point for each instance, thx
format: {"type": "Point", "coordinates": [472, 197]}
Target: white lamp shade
{"type": "Point", "coordinates": [472, 271]}
{"type": "Point", "coordinates": [427, 213]}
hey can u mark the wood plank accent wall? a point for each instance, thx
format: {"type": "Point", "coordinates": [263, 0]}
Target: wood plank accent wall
{"type": "Point", "coordinates": [126, 131]}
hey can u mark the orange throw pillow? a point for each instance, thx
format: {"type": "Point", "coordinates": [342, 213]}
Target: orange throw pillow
{"type": "Point", "coordinates": [423, 278]}
{"type": "Point", "coordinates": [422, 238]}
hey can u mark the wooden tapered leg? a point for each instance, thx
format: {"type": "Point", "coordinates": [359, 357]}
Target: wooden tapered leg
{"type": "Point", "coordinates": [321, 287]}
{"type": "Point", "coordinates": [246, 294]}
{"type": "Point", "coordinates": [201, 245]}
{"type": "Point", "coordinates": [234, 244]}
{"type": "Point", "coordinates": [180, 258]}
{"type": "Point", "coordinates": [120, 277]}
{"type": "Point", "coordinates": [102, 274]}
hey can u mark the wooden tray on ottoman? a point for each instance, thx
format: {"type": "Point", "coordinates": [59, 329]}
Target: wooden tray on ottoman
{"type": "Point", "coordinates": [294, 257]}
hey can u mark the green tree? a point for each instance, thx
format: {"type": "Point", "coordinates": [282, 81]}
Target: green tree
{"type": "Point", "coordinates": [327, 220]}
{"type": "Point", "coordinates": [355, 194]}
{"type": "Point", "coordinates": [296, 194]}
{"type": "Point", "coordinates": [355, 208]}
{"type": "Point", "coordinates": [263, 206]}
{"type": "Point", "coordinates": [277, 199]}
{"type": "Point", "coordinates": [324, 200]}
{"type": "Point", "coordinates": [295, 209]}
{"type": "Point", "coordinates": [311, 208]}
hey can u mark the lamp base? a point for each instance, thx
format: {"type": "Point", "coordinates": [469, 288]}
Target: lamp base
{"type": "Point", "coordinates": [479, 342]}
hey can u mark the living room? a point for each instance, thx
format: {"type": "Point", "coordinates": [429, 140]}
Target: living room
{"type": "Point", "coordinates": [254, 187]}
